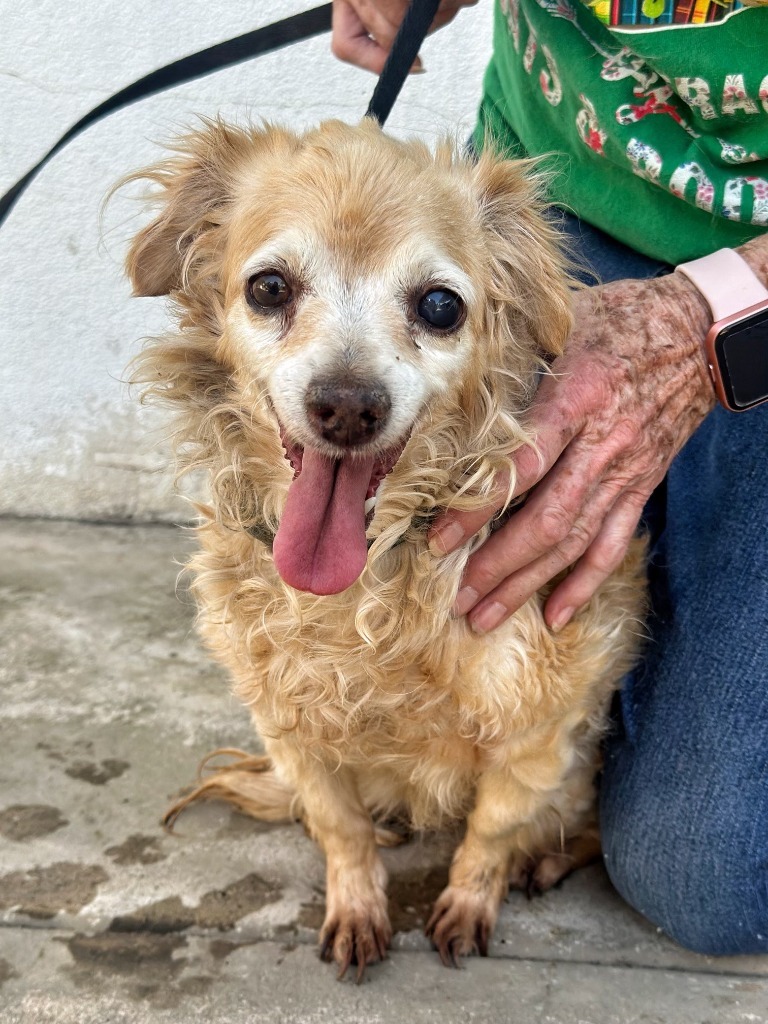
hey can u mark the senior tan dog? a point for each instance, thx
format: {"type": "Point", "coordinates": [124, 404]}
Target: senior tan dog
{"type": "Point", "coordinates": [361, 325]}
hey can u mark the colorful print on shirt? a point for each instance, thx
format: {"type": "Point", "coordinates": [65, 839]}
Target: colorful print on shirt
{"type": "Point", "coordinates": [658, 134]}
{"type": "Point", "coordinates": [661, 12]}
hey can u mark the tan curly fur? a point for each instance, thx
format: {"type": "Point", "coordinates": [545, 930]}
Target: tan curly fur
{"type": "Point", "coordinates": [375, 700]}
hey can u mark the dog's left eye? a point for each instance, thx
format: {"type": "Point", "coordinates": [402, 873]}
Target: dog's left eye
{"type": "Point", "coordinates": [269, 290]}
{"type": "Point", "coordinates": [440, 308]}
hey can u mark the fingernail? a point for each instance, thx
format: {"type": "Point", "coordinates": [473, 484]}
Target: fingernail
{"type": "Point", "coordinates": [488, 618]}
{"type": "Point", "coordinates": [465, 599]}
{"type": "Point", "coordinates": [444, 541]}
{"type": "Point", "coordinates": [562, 619]}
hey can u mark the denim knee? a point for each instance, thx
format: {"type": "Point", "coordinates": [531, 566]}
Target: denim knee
{"type": "Point", "coordinates": [690, 863]}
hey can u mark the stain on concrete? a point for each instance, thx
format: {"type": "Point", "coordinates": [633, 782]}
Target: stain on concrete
{"type": "Point", "coordinates": [43, 892]}
{"type": "Point", "coordinates": [145, 966]}
{"type": "Point", "coordinates": [312, 915]}
{"type": "Point", "coordinates": [97, 774]}
{"type": "Point", "coordinates": [195, 984]}
{"type": "Point", "coordinates": [137, 849]}
{"type": "Point", "coordinates": [220, 909]}
{"type": "Point", "coordinates": [50, 752]}
{"type": "Point", "coordinates": [221, 948]}
{"type": "Point", "coordinates": [22, 822]}
{"type": "Point", "coordinates": [412, 894]}
{"type": "Point", "coordinates": [126, 954]}
{"type": "Point", "coordinates": [161, 918]}
{"type": "Point", "coordinates": [7, 972]}
{"type": "Point", "coordinates": [224, 907]}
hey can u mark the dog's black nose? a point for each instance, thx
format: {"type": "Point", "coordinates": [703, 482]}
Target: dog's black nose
{"type": "Point", "coordinates": [347, 414]}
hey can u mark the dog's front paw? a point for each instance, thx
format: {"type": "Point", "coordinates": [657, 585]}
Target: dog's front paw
{"type": "Point", "coordinates": [461, 923]}
{"type": "Point", "coordinates": [358, 936]}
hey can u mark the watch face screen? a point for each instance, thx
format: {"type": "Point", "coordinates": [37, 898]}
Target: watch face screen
{"type": "Point", "coordinates": [743, 352]}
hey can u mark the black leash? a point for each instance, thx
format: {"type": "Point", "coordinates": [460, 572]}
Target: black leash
{"type": "Point", "coordinates": [252, 44]}
{"type": "Point", "coordinates": [411, 34]}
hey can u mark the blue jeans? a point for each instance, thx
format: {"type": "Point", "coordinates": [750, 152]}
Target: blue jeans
{"type": "Point", "coordinates": [684, 793]}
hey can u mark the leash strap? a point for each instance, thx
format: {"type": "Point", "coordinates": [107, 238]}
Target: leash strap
{"type": "Point", "coordinates": [222, 55]}
{"type": "Point", "coordinates": [411, 34]}
{"type": "Point", "coordinates": [305, 25]}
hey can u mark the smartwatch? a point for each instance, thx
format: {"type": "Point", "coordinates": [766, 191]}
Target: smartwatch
{"type": "Point", "coordinates": [737, 343]}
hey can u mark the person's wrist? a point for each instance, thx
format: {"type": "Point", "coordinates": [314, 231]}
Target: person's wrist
{"type": "Point", "coordinates": [733, 285]}
{"type": "Point", "coordinates": [683, 306]}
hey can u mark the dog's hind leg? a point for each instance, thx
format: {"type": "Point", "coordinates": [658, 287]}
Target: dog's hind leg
{"type": "Point", "coordinates": [533, 875]}
{"type": "Point", "coordinates": [565, 835]}
{"type": "Point", "coordinates": [247, 781]}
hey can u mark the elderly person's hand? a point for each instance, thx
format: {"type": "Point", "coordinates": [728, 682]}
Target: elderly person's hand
{"type": "Point", "coordinates": [364, 30]}
{"type": "Point", "coordinates": [631, 388]}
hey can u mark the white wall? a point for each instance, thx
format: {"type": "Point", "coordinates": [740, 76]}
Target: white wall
{"type": "Point", "coordinates": [73, 441]}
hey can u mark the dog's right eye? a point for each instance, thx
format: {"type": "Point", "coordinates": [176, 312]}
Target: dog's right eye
{"type": "Point", "coordinates": [268, 290]}
{"type": "Point", "coordinates": [441, 309]}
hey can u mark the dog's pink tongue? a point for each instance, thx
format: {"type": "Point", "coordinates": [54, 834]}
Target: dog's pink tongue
{"type": "Point", "coordinates": [320, 544]}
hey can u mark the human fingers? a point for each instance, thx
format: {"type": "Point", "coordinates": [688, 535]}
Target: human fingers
{"type": "Point", "coordinates": [452, 529]}
{"type": "Point", "coordinates": [601, 558]}
{"type": "Point", "coordinates": [364, 30]}
{"type": "Point", "coordinates": [362, 35]}
{"type": "Point", "coordinates": [553, 530]}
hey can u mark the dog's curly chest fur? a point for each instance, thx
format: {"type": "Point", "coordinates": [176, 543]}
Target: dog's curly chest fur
{"type": "Point", "coordinates": [418, 714]}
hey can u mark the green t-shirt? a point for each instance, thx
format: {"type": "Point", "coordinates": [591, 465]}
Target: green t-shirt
{"type": "Point", "coordinates": [657, 135]}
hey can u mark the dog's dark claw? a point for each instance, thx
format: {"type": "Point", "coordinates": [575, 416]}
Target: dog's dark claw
{"type": "Point", "coordinates": [532, 888]}
{"type": "Point", "coordinates": [344, 960]}
{"type": "Point", "coordinates": [360, 943]}
{"type": "Point", "coordinates": [445, 954]}
{"type": "Point", "coordinates": [326, 948]}
{"type": "Point", "coordinates": [343, 968]}
{"type": "Point", "coordinates": [360, 957]}
{"type": "Point", "coordinates": [455, 956]}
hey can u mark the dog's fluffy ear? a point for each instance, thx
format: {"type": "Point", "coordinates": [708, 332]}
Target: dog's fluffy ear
{"type": "Point", "coordinates": [528, 268]}
{"type": "Point", "coordinates": [196, 188]}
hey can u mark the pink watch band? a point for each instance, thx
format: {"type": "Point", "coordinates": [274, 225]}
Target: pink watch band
{"type": "Point", "coordinates": [726, 281]}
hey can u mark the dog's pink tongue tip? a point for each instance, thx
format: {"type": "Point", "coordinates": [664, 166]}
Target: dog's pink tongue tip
{"type": "Point", "coordinates": [320, 546]}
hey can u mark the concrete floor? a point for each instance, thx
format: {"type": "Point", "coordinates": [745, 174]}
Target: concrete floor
{"type": "Point", "coordinates": [107, 705]}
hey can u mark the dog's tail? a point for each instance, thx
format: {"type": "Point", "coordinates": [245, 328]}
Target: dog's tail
{"type": "Point", "coordinates": [247, 781]}
{"type": "Point", "coordinates": [250, 783]}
